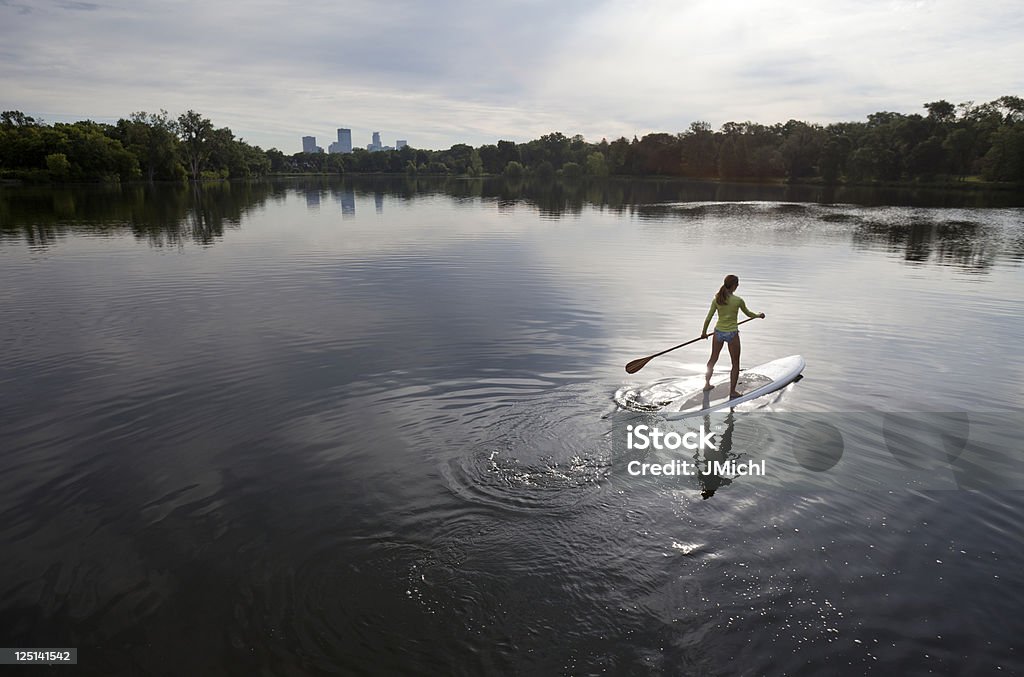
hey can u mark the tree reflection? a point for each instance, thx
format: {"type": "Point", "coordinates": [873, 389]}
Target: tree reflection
{"type": "Point", "coordinates": [162, 214]}
{"type": "Point", "coordinates": [172, 214]}
{"type": "Point", "coordinates": [968, 245]}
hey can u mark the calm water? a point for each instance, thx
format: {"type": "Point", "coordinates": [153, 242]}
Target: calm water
{"type": "Point", "coordinates": [315, 427]}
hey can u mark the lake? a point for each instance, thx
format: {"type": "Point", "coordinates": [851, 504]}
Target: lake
{"type": "Point", "coordinates": [370, 427]}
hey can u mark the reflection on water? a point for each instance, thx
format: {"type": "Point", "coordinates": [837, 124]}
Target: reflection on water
{"type": "Point", "coordinates": [164, 215]}
{"type": "Point", "coordinates": [167, 214]}
{"type": "Point", "coordinates": [367, 426]}
{"type": "Point", "coordinates": [346, 198]}
{"type": "Point", "coordinates": [965, 244]}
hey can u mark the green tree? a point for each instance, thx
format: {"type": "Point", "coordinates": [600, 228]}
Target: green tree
{"type": "Point", "coordinates": [256, 161]}
{"type": "Point", "coordinates": [475, 166]}
{"type": "Point", "coordinates": [800, 149]}
{"type": "Point", "coordinates": [335, 163]}
{"type": "Point", "coordinates": [1011, 106]}
{"type": "Point", "coordinates": [596, 165]}
{"type": "Point", "coordinates": [1005, 159]}
{"type": "Point", "coordinates": [881, 145]}
{"type": "Point", "coordinates": [458, 158]}
{"type": "Point", "coordinates": [58, 166]}
{"type": "Point", "coordinates": [553, 148]}
{"type": "Point", "coordinates": [766, 162]}
{"type": "Point", "coordinates": [619, 156]}
{"type": "Point", "coordinates": [360, 161]}
{"type": "Point", "coordinates": [490, 158]}
{"type": "Point", "coordinates": [507, 152]}
{"type": "Point", "coordinates": [151, 138]}
{"type": "Point", "coordinates": [941, 111]}
{"type": "Point", "coordinates": [572, 171]}
{"type": "Point", "coordinates": [276, 159]}
{"type": "Point", "coordinates": [196, 135]}
{"type": "Point", "coordinates": [959, 146]}
{"type": "Point", "coordinates": [405, 155]}
{"type": "Point", "coordinates": [732, 158]}
{"type": "Point", "coordinates": [25, 143]}
{"type": "Point", "coordinates": [927, 158]}
{"type": "Point", "coordinates": [514, 169]}
{"type": "Point", "coordinates": [699, 151]}
{"type": "Point", "coordinates": [224, 154]}
{"type": "Point", "coordinates": [659, 154]}
{"type": "Point", "coordinates": [834, 155]}
{"type": "Point", "coordinates": [94, 155]}
{"type": "Point", "coordinates": [15, 118]}
{"type": "Point", "coordinates": [545, 171]}
{"type": "Point", "coordinates": [578, 149]}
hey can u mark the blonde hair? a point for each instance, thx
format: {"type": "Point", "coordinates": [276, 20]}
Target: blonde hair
{"type": "Point", "coordinates": [730, 282]}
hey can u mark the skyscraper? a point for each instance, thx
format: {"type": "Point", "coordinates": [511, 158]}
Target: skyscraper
{"type": "Point", "coordinates": [309, 144]}
{"type": "Point", "coordinates": [376, 140]}
{"type": "Point", "coordinates": [345, 140]}
{"type": "Point", "coordinates": [400, 144]}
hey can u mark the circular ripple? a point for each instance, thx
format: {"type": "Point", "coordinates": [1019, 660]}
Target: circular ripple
{"type": "Point", "coordinates": [677, 394]}
{"type": "Point", "coordinates": [658, 395]}
{"type": "Point", "coordinates": [548, 451]}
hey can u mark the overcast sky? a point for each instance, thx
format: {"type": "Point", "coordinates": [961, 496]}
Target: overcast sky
{"type": "Point", "coordinates": [440, 72]}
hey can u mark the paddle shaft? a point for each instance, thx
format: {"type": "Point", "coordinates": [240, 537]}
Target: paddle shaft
{"type": "Point", "coordinates": [645, 360]}
{"type": "Point", "coordinates": [699, 338]}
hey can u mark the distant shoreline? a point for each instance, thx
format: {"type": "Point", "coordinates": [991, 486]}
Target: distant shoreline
{"type": "Point", "coordinates": [971, 184]}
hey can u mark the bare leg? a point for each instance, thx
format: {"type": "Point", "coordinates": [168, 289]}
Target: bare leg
{"type": "Point", "coordinates": [716, 348]}
{"type": "Point", "coordinates": [734, 375]}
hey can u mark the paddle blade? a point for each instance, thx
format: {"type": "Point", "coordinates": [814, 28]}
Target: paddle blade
{"type": "Point", "coordinates": [636, 365]}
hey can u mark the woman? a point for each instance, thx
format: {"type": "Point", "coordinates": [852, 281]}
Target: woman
{"type": "Point", "coordinates": [726, 304]}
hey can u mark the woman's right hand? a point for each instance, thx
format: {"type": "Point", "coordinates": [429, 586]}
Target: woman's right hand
{"type": "Point", "coordinates": [704, 335]}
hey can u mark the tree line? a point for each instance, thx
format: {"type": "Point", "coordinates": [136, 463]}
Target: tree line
{"type": "Point", "coordinates": [946, 142]}
{"type": "Point", "coordinates": [150, 146]}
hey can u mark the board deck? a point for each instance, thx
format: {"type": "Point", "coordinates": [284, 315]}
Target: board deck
{"type": "Point", "coordinates": [753, 383]}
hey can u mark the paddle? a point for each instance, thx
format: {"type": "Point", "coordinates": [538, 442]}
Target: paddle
{"type": "Point", "coordinates": [636, 365]}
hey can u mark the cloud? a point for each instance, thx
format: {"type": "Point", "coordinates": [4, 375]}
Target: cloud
{"type": "Point", "coordinates": [82, 6]}
{"type": "Point", "coordinates": [20, 8]}
{"type": "Point", "coordinates": [444, 72]}
{"type": "Point", "coordinates": [772, 61]}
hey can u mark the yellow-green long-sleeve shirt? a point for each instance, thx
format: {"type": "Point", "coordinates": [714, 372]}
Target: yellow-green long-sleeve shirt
{"type": "Point", "coordinates": [726, 314]}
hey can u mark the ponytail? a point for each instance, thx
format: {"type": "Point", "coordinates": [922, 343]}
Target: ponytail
{"type": "Point", "coordinates": [730, 282]}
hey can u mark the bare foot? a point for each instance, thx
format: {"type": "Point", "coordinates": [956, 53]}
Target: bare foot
{"type": "Point", "coordinates": [733, 396]}
{"type": "Point", "coordinates": [708, 387]}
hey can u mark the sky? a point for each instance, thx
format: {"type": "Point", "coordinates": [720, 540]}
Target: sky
{"type": "Point", "coordinates": [440, 72]}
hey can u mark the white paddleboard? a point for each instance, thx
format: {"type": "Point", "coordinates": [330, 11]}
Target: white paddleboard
{"type": "Point", "coordinates": [753, 383]}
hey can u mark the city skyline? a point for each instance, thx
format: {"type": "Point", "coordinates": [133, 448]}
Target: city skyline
{"type": "Point", "coordinates": [344, 143]}
{"type": "Point", "coordinates": [450, 73]}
